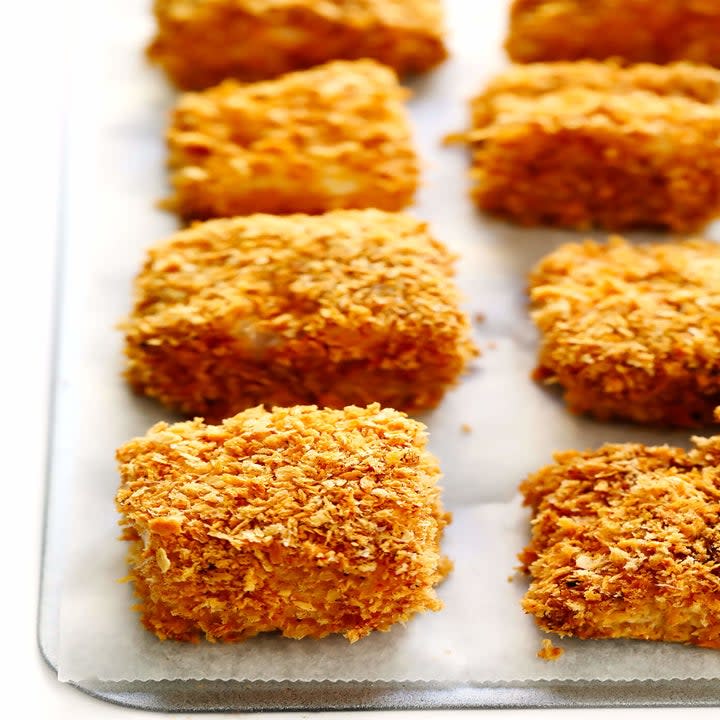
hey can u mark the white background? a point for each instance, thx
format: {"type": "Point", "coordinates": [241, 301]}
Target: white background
{"type": "Point", "coordinates": [33, 39]}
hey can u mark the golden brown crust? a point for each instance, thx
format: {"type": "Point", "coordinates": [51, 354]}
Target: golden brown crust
{"type": "Point", "coordinates": [300, 520]}
{"type": "Point", "coordinates": [625, 543]}
{"type": "Point", "coordinates": [632, 332]}
{"type": "Point", "coordinates": [582, 144]}
{"type": "Point", "coordinates": [345, 308]}
{"type": "Point", "coordinates": [680, 79]}
{"type": "Point", "coordinates": [635, 30]}
{"type": "Point", "coordinates": [202, 42]}
{"type": "Point", "coordinates": [336, 136]}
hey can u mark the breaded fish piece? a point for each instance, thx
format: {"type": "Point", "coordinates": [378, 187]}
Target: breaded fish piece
{"type": "Point", "coordinates": [336, 136]}
{"type": "Point", "coordinates": [594, 144]}
{"type": "Point", "coordinates": [631, 332]}
{"type": "Point", "coordinates": [658, 31]}
{"type": "Point", "coordinates": [351, 307]}
{"type": "Point", "coordinates": [202, 42]}
{"type": "Point", "coordinates": [626, 543]}
{"type": "Point", "coordinates": [301, 520]}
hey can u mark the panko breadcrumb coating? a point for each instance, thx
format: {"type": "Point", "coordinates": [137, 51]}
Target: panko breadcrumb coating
{"type": "Point", "coordinates": [583, 144]}
{"type": "Point", "coordinates": [351, 307]}
{"type": "Point", "coordinates": [626, 543]}
{"type": "Point", "coordinates": [201, 42]}
{"type": "Point", "coordinates": [300, 520]}
{"type": "Point", "coordinates": [658, 31]}
{"type": "Point", "coordinates": [336, 136]}
{"type": "Point", "coordinates": [632, 332]}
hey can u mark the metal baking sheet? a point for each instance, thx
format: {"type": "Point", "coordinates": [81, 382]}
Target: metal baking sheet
{"type": "Point", "coordinates": [114, 171]}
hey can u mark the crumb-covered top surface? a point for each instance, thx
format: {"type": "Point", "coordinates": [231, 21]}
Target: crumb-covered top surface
{"type": "Point", "coordinates": [636, 30]}
{"type": "Point", "coordinates": [683, 79]}
{"type": "Point", "coordinates": [653, 308]}
{"type": "Point", "coordinates": [358, 13]}
{"type": "Point", "coordinates": [303, 276]}
{"type": "Point", "coordinates": [301, 520]}
{"type": "Point", "coordinates": [644, 99]}
{"type": "Point", "coordinates": [320, 106]}
{"type": "Point", "coordinates": [344, 487]}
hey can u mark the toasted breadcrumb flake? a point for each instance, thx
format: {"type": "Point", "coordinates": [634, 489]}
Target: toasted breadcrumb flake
{"type": "Point", "coordinates": [595, 144]}
{"type": "Point", "coordinates": [345, 308]}
{"type": "Point", "coordinates": [201, 42]}
{"type": "Point", "coordinates": [301, 520]}
{"type": "Point", "coordinates": [549, 652]}
{"type": "Point", "coordinates": [626, 543]}
{"type": "Point", "coordinates": [634, 30]}
{"type": "Point", "coordinates": [629, 332]}
{"type": "Point", "coordinates": [335, 136]}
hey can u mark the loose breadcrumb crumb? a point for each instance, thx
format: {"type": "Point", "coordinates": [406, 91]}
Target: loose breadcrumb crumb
{"type": "Point", "coordinates": [626, 543]}
{"type": "Point", "coordinates": [479, 317]}
{"type": "Point", "coordinates": [336, 136]}
{"type": "Point", "coordinates": [201, 42]}
{"type": "Point", "coordinates": [466, 428]}
{"type": "Point", "coordinates": [301, 520]}
{"type": "Point", "coordinates": [631, 332]}
{"type": "Point", "coordinates": [345, 308]}
{"type": "Point", "coordinates": [548, 651]}
{"type": "Point", "coordinates": [584, 144]}
{"type": "Point", "coordinates": [635, 30]}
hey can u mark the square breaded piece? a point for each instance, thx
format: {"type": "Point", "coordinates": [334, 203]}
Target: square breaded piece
{"type": "Point", "coordinates": [202, 42]}
{"type": "Point", "coordinates": [300, 520]}
{"type": "Point", "coordinates": [593, 144]}
{"type": "Point", "coordinates": [626, 543]}
{"type": "Point", "coordinates": [336, 136]}
{"type": "Point", "coordinates": [351, 307]}
{"type": "Point", "coordinates": [632, 332]}
{"type": "Point", "coordinates": [657, 31]}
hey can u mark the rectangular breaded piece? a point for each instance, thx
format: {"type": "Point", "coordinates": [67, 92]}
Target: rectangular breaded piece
{"type": "Point", "coordinates": [345, 308]}
{"type": "Point", "coordinates": [631, 332]}
{"type": "Point", "coordinates": [304, 521]}
{"type": "Point", "coordinates": [626, 543]}
{"type": "Point", "coordinates": [336, 136]}
{"type": "Point", "coordinates": [202, 42]}
{"type": "Point", "coordinates": [593, 144]}
{"type": "Point", "coordinates": [658, 31]}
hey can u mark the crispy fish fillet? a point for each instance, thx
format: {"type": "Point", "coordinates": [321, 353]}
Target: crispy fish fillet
{"type": "Point", "coordinates": [345, 308]}
{"type": "Point", "coordinates": [657, 31]}
{"type": "Point", "coordinates": [201, 42]}
{"type": "Point", "coordinates": [336, 136]}
{"type": "Point", "coordinates": [631, 332]}
{"type": "Point", "coordinates": [626, 543]}
{"type": "Point", "coordinates": [300, 520]}
{"type": "Point", "coordinates": [583, 144]}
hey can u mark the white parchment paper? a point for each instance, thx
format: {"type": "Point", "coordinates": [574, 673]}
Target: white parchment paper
{"type": "Point", "coordinates": [116, 171]}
